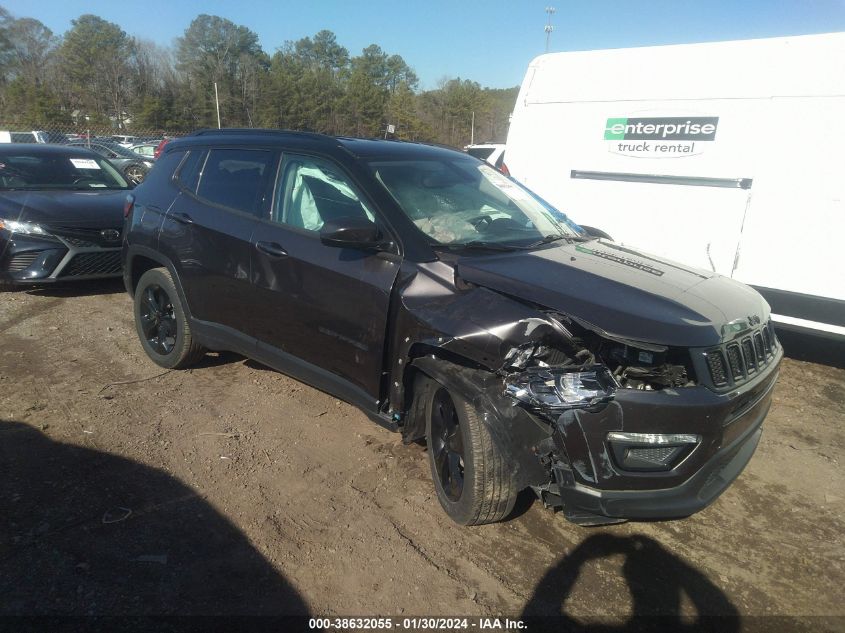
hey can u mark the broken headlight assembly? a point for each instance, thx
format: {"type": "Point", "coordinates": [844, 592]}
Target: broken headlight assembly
{"type": "Point", "coordinates": [562, 388]}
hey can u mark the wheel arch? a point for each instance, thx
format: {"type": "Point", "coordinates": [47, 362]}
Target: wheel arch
{"type": "Point", "coordinates": [139, 260]}
{"type": "Point", "coordinates": [515, 431]}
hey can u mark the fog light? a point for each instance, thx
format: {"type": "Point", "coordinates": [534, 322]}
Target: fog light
{"type": "Point", "coordinates": [553, 388]}
{"type": "Point", "coordinates": [651, 451]}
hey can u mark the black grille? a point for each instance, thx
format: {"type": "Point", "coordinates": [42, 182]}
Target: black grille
{"type": "Point", "coordinates": [767, 342]}
{"type": "Point", "coordinates": [744, 357]}
{"type": "Point", "coordinates": [102, 263]}
{"type": "Point", "coordinates": [748, 353]}
{"type": "Point", "coordinates": [659, 455]}
{"type": "Point", "coordinates": [21, 261]}
{"type": "Point", "coordinates": [85, 237]}
{"type": "Point", "coordinates": [735, 361]}
{"type": "Point", "coordinates": [758, 347]}
{"type": "Point", "coordinates": [717, 367]}
{"type": "Point", "coordinates": [79, 243]}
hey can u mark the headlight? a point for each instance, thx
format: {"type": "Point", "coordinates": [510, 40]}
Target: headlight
{"type": "Point", "coordinates": [148, 163]}
{"type": "Point", "coordinates": [26, 228]}
{"type": "Point", "coordinates": [554, 388]}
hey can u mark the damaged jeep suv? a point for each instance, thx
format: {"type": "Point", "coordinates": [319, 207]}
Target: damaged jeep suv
{"type": "Point", "coordinates": [453, 305]}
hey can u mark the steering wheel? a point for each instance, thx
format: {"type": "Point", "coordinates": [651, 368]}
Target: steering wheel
{"type": "Point", "coordinates": [481, 223]}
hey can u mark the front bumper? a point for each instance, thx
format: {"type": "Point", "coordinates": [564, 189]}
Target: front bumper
{"type": "Point", "coordinates": [591, 487]}
{"type": "Point", "coordinates": [26, 260]}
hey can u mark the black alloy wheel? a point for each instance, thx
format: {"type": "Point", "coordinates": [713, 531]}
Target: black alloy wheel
{"type": "Point", "coordinates": [158, 321]}
{"type": "Point", "coordinates": [162, 323]}
{"type": "Point", "coordinates": [472, 475]}
{"type": "Point", "coordinates": [447, 445]}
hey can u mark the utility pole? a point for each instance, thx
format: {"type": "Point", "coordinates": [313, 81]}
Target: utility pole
{"type": "Point", "coordinates": [472, 130]}
{"type": "Point", "coordinates": [549, 28]}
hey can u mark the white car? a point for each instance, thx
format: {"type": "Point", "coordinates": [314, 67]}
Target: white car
{"type": "Point", "coordinates": [492, 153]}
{"type": "Point", "coordinates": [147, 150]}
{"type": "Point", "coordinates": [124, 140]}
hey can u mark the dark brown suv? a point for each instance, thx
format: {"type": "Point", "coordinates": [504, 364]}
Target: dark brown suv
{"type": "Point", "coordinates": [450, 303]}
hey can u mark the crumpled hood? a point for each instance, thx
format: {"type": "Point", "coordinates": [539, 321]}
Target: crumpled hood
{"type": "Point", "coordinates": [624, 292]}
{"type": "Point", "coordinates": [91, 209]}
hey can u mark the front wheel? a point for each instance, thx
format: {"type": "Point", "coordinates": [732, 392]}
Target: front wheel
{"type": "Point", "coordinates": [472, 477]}
{"type": "Point", "coordinates": [161, 322]}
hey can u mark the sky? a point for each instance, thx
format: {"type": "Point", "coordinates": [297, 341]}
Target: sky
{"type": "Point", "coordinates": [490, 42]}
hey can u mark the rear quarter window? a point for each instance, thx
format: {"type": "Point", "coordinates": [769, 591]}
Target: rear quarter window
{"type": "Point", "coordinates": [190, 170]}
{"type": "Point", "coordinates": [480, 152]}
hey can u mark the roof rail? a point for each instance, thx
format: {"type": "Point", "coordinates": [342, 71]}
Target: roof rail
{"type": "Point", "coordinates": [233, 131]}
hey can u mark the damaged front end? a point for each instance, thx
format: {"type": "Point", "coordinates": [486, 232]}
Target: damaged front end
{"type": "Point", "coordinates": [600, 426]}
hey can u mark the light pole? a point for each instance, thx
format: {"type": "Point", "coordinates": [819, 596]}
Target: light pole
{"type": "Point", "coordinates": [217, 104]}
{"type": "Point", "coordinates": [549, 28]}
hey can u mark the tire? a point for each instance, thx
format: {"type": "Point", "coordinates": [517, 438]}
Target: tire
{"type": "Point", "coordinates": [161, 323]}
{"type": "Point", "coordinates": [135, 173]}
{"type": "Point", "coordinates": [486, 493]}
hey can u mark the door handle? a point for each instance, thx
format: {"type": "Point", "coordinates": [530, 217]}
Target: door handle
{"type": "Point", "coordinates": [271, 249]}
{"type": "Point", "coordinates": [184, 218]}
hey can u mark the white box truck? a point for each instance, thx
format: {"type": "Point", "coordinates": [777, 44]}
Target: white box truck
{"type": "Point", "coordinates": [728, 156]}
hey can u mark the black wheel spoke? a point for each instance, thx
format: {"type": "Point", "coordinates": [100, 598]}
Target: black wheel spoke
{"type": "Point", "coordinates": [157, 319]}
{"type": "Point", "coordinates": [456, 475]}
{"type": "Point", "coordinates": [148, 324]}
{"type": "Point", "coordinates": [447, 445]}
{"type": "Point", "coordinates": [150, 300]}
{"type": "Point", "coordinates": [454, 441]}
{"type": "Point", "coordinates": [161, 300]}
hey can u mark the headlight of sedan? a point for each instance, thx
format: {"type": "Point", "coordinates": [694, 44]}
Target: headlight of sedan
{"type": "Point", "coordinates": [25, 228]}
{"type": "Point", "coordinates": [559, 388]}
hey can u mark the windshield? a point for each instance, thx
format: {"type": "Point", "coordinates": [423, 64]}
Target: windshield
{"type": "Point", "coordinates": [461, 202]}
{"type": "Point", "coordinates": [57, 171]}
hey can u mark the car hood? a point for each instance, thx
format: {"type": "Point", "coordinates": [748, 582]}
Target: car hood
{"type": "Point", "coordinates": [622, 292]}
{"type": "Point", "coordinates": [84, 209]}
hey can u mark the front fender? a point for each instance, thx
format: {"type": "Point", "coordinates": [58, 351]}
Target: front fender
{"type": "Point", "coordinates": [517, 433]}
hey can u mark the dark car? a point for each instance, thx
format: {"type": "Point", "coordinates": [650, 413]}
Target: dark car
{"type": "Point", "coordinates": [133, 166]}
{"type": "Point", "coordinates": [452, 304]}
{"type": "Point", "coordinates": [61, 215]}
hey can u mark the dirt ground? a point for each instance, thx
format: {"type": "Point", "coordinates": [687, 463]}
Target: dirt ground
{"type": "Point", "coordinates": [232, 489]}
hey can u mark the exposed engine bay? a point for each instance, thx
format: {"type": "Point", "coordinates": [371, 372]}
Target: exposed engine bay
{"type": "Point", "coordinates": [632, 365]}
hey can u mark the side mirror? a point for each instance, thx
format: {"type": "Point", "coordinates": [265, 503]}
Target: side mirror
{"type": "Point", "coordinates": [350, 232]}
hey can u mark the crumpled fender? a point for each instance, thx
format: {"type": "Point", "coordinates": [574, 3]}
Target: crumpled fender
{"type": "Point", "coordinates": [516, 432]}
{"type": "Point", "coordinates": [473, 326]}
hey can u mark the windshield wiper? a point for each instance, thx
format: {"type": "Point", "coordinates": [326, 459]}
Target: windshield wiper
{"type": "Point", "coordinates": [548, 239]}
{"type": "Point", "coordinates": [490, 246]}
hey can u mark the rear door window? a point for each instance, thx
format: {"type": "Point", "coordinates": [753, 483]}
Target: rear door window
{"type": "Point", "coordinates": [236, 178]}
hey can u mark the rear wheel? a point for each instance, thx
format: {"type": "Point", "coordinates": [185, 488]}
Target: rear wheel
{"type": "Point", "coordinates": [471, 475]}
{"type": "Point", "coordinates": [161, 322]}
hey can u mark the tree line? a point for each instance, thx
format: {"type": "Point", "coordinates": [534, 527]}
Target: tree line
{"type": "Point", "coordinates": [95, 75]}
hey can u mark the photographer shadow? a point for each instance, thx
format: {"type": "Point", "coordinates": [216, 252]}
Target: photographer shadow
{"type": "Point", "coordinates": [656, 579]}
{"type": "Point", "coordinates": [87, 533]}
